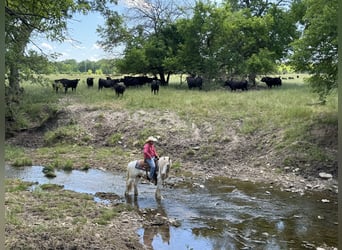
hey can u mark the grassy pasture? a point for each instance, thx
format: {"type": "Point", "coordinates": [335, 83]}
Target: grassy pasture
{"type": "Point", "coordinates": [289, 107]}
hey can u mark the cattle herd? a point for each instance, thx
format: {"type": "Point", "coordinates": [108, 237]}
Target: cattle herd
{"type": "Point", "coordinates": [119, 85]}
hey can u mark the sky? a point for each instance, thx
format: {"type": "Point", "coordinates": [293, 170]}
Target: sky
{"type": "Point", "coordinates": [82, 30]}
{"type": "Point", "coordinates": [83, 43]}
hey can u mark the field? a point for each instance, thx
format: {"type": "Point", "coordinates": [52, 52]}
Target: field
{"type": "Point", "coordinates": [276, 136]}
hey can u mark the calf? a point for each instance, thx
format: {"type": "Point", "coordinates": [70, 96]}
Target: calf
{"type": "Point", "coordinates": [119, 88]}
{"type": "Point", "coordinates": [90, 82]}
{"type": "Point", "coordinates": [194, 82]}
{"type": "Point", "coordinates": [234, 85]}
{"type": "Point", "coordinates": [270, 81]}
{"type": "Point", "coordinates": [155, 86]}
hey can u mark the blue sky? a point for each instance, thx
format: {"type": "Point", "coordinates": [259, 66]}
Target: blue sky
{"type": "Point", "coordinates": [82, 29]}
{"type": "Point", "coordinates": [83, 43]}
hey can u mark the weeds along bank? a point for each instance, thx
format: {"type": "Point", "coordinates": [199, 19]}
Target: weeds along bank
{"type": "Point", "coordinates": [275, 128]}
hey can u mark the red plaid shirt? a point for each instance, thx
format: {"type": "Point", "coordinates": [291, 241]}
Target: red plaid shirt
{"type": "Point", "coordinates": [149, 151]}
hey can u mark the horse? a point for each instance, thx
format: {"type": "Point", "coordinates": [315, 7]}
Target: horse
{"type": "Point", "coordinates": [134, 174]}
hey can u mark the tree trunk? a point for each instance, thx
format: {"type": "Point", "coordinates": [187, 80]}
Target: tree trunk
{"type": "Point", "coordinates": [162, 77]}
{"type": "Point", "coordinates": [14, 87]}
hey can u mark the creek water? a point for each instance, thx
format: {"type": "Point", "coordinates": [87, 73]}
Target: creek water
{"type": "Point", "coordinates": [218, 214]}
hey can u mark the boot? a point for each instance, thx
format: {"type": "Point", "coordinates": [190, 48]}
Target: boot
{"type": "Point", "coordinates": [155, 178]}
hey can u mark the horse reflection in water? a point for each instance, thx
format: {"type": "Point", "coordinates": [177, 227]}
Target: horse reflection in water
{"type": "Point", "coordinates": [157, 223]}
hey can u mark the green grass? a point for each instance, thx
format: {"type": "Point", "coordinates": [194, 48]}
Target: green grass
{"type": "Point", "coordinates": [13, 152]}
{"type": "Point", "coordinates": [276, 107]}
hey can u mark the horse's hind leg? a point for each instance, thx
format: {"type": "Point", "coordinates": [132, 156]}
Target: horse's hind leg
{"type": "Point", "coordinates": [128, 185]}
{"type": "Point", "coordinates": [127, 188]}
{"type": "Point", "coordinates": [135, 185]}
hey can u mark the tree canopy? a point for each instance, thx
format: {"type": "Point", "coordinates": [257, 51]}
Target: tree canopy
{"type": "Point", "coordinates": [210, 40]}
{"type": "Point", "coordinates": [316, 50]}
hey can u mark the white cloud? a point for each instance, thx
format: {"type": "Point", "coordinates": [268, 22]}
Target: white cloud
{"type": "Point", "coordinates": [96, 46]}
{"type": "Point", "coordinates": [78, 46]}
{"type": "Point", "coordinates": [47, 46]}
{"type": "Point", "coordinates": [140, 4]}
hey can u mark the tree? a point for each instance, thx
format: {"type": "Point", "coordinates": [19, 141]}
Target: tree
{"type": "Point", "coordinates": [134, 61]}
{"type": "Point", "coordinates": [142, 32]}
{"type": "Point", "coordinates": [225, 40]}
{"type": "Point", "coordinates": [257, 7]}
{"type": "Point", "coordinates": [200, 34]}
{"type": "Point", "coordinates": [316, 50]}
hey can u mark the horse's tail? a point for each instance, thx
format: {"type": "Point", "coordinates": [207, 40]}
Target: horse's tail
{"type": "Point", "coordinates": [129, 180]}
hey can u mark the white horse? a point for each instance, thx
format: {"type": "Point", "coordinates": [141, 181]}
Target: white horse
{"type": "Point", "coordinates": [134, 174]}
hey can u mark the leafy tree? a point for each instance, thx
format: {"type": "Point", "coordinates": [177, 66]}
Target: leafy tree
{"type": "Point", "coordinates": [225, 40]}
{"type": "Point", "coordinates": [134, 61]}
{"type": "Point", "coordinates": [200, 33]}
{"type": "Point", "coordinates": [107, 66]}
{"type": "Point", "coordinates": [142, 32]}
{"type": "Point", "coordinates": [316, 50]}
{"type": "Point", "coordinates": [257, 7]}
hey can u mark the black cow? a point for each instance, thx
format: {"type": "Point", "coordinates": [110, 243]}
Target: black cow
{"type": "Point", "coordinates": [234, 85]}
{"type": "Point", "coordinates": [90, 82]}
{"type": "Point", "coordinates": [66, 84]}
{"type": "Point", "coordinates": [194, 82]}
{"type": "Point", "coordinates": [130, 81]}
{"type": "Point", "coordinates": [271, 81]}
{"type": "Point", "coordinates": [103, 83]}
{"type": "Point", "coordinates": [119, 88]}
{"type": "Point", "coordinates": [155, 86]}
{"type": "Point", "coordinates": [136, 80]}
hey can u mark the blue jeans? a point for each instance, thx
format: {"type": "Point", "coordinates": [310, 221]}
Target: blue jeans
{"type": "Point", "coordinates": [152, 167]}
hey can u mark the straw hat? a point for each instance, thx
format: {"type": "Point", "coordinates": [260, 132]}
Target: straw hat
{"type": "Point", "coordinates": [151, 138]}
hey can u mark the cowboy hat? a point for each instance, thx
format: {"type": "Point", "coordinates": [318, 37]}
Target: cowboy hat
{"type": "Point", "coordinates": [151, 138]}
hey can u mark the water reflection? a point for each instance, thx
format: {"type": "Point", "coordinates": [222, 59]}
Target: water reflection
{"type": "Point", "coordinates": [158, 227]}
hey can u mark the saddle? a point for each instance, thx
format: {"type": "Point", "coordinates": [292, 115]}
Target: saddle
{"type": "Point", "coordinates": [143, 165]}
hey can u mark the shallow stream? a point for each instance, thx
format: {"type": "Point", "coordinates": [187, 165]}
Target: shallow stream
{"type": "Point", "coordinates": [218, 214]}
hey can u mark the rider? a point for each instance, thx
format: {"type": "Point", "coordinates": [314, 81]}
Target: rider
{"type": "Point", "coordinates": [150, 155]}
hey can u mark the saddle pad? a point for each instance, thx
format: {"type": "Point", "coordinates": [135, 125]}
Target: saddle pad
{"type": "Point", "coordinates": [140, 165]}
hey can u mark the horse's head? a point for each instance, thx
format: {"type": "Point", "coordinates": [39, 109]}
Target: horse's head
{"type": "Point", "coordinates": [165, 165]}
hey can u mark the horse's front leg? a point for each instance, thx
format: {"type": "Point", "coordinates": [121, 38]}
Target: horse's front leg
{"type": "Point", "coordinates": [159, 186]}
